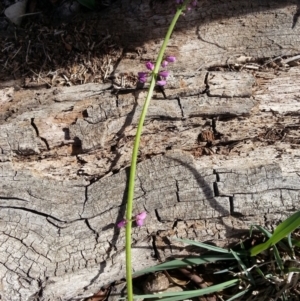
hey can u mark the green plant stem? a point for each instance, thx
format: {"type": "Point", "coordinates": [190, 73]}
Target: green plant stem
{"type": "Point", "coordinates": [136, 149]}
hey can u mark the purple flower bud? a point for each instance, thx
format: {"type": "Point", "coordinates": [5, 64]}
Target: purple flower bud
{"type": "Point", "coordinates": [122, 223]}
{"type": "Point", "coordinates": [142, 76]}
{"type": "Point", "coordinates": [164, 74]}
{"type": "Point", "coordinates": [164, 64]}
{"type": "Point", "coordinates": [171, 59]}
{"type": "Point", "coordinates": [149, 66]}
{"type": "Point", "coordinates": [140, 218]}
{"type": "Point", "coordinates": [141, 215]}
{"type": "Point", "coordinates": [194, 2]}
{"type": "Point", "coordinates": [161, 83]}
{"type": "Point", "coordinates": [139, 222]}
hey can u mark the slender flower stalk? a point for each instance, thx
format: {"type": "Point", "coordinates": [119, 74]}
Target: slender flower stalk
{"type": "Point", "coordinates": [155, 70]}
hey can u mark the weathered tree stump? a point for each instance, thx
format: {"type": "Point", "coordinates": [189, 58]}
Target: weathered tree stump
{"type": "Point", "coordinates": [220, 153]}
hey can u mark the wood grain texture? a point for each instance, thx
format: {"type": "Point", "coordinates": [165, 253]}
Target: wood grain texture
{"type": "Point", "coordinates": [216, 33]}
{"type": "Point", "coordinates": [220, 153]}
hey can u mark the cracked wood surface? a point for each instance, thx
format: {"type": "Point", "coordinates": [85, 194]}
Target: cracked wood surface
{"type": "Point", "coordinates": [219, 154]}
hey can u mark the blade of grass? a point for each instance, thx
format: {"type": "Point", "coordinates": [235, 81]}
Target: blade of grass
{"type": "Point", "coordinates": [281, 231]}
{"type": "Point", "coordinates": [269, 234]}
{"type": "Point", "coordinates": [289, 239]}
{"type": "Point", "coordinates": [263, 230]}
{"type": "Point", "coordinates": [226, 270]}
{"type": "Point", "coordinates": [278, 259]}
{"type": "Point", "coordinates": [242, 265]}
{"type": "Point", "coordinates": [176, 296]}
{"type": "Point", "coordinates": [296, 242]}
{"type": "Point", "coordinates": [242, 246]}
{"type": "Point", "coordinates": [180, 263]}
{"type": "Point", "coordinates": [292, 269]}
{"type": "Point", "coordinates": [284, 297]}
{"type": "Point", "coordinates": [239, 294]}
{"type": "Point", "coordinates": [260, 272]}
{"type": "Point", "coordinates": [203, 245]}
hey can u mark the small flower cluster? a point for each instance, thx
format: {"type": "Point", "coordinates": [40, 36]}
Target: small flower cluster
{"type": "Point", "coordinates": [192, 3]}
{"type": "Point", "coordinates": [139, 219]}
{"type": "Point", "coordinates": [163, 75]}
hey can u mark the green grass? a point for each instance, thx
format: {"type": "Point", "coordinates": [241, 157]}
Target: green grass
{"type": "Point", "coordinates": [266, 271]}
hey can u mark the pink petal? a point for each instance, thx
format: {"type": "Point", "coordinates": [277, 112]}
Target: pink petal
{"type": "Point", "coordinates": [122, 223]}
{"type": "Point", "coordinates": [164, 64]}
{"type": "Point", "coordinates": [161, 83]}
{"type": "Point", "coordinates": [149, 66]}
{"type": "Point", "coordinates": [164, 74]}
{"type": "Point", "coordinates": [142, 79]}
{"type": "Point", "coordinates": [139, 222]}
{"type": "Point", "coordinates": [141, 216]}
{"type": "Point", "coordinates": [142, 74]}
{"type": "Point", "coordinates": [171, 59]}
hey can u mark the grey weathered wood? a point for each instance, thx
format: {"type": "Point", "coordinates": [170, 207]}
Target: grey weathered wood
{"type": "Point", "coordinates": [216, 34]}
{"type": "Point", "coordinates": [219, 154]}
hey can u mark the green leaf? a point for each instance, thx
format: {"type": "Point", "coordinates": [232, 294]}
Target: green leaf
{"type": "Point", "coordinates": [177, 296]}
{"type": "Point", "coordinates": [296, 242]}
{"type": "Point", "coordinates": [240, 262]}
{"type": "Point", "coordinates": [226, 270]}
{"type": "Point", "coordinates": [91, 4]}
{"type": "Point", "coordinates": [289, 238]}
{"type": "Point", "coordinates": [203, 245]}
{"type": "Point", "coordinates": [269, 234]}
{"type": "Point", "coordinates": [292, 269]}
{"type": "Point", "coordinates": [180, 263]}
{"type": "Point", "coordinates": [284, 297]}
{"type": "Point", "coordinates": [264, 231]}
{"type": "Point", "coordinates": [260, 272]}
{"type": "Point", "coordinates": [278, 258]}
{"type": "Point", "coordinates": [281, 231]}
{"type": "Point", "coordinates": [239, 294]}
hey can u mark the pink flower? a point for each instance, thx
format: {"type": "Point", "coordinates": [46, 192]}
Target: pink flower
{"type": "Point", "coordinates": [139, 222]}
{"type": "Point", "coordinates": [194, 3]}
{"type": "Point", "coordinates": [142, 77]}
{"type": "Point", "coordinates": [164, 64]}
{"type": "Point", "coordinates": [171, 59]}
{"type": "Point", "coordinates": [164, 74]}
{"type": "Point", "coordinates": [149, 66]}
{"type": "Point", "coordinates": [161, 83]}
{"type": "Point", "coordinates": [122, 223]}
{"type": "Point", "coordinates": [140, 218]}
{"type": "Point", "coordinates": [142, 74]}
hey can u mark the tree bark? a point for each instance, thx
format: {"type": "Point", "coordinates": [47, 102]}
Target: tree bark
{"type": "Point", "coordinates": [219, 154]}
